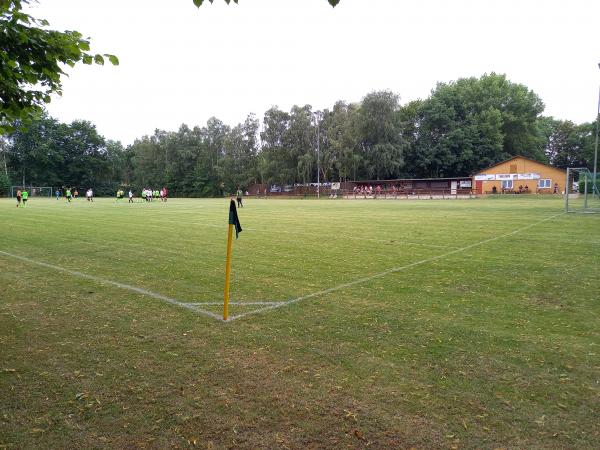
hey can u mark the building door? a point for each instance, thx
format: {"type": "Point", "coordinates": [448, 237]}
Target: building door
{"type": "Point", "coordinates": [453, 188]}
{"type": "Point", "coordinates": [479, 187]}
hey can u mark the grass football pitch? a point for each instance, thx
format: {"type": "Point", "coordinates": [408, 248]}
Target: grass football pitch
{"type": "Point", "coordinates": [355, 324]}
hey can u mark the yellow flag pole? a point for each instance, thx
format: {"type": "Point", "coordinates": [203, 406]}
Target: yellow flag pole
{"type": "Point", "coordinates": [227, 272]}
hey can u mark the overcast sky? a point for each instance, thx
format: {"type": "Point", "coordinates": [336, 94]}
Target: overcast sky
{"type": "Point", "coordinates": [180, 64]}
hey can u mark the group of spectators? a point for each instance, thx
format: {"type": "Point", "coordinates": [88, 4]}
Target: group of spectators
{"type": "Point", "coordinates": [521, 190]}
{"type": "Point", "coordinates": [367, 189]}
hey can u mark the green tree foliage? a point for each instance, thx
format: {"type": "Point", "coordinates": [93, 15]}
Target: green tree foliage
{"type": "Point", "coordinates": [4, 183]}
{"type": "Point", "coordinates": [50, 153]}
{"type": "Point", "coordinates": [570, 145]}
{"type": "Point", "coordinates": [239, 166]}
{"type": "Point", "coordinates": [474, 122]}
{"type": "Point", "coordinates": [277, 165]}
{"type": "Point", "coordinates": [31, 59]}
{"type": "Point", "coordinates": [205, 162]}
{"type": "Point", "coordinates": [341, 140]}
{"type": "Point", "coordinates": [381, 137]}
{"type": "Point", "coordinates": [462, 127]}
{"type": "Point", "coordinates": [4, 148]}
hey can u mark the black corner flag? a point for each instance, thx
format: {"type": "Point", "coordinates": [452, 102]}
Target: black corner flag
{"type": "Point", "coordinates": [233, 218]}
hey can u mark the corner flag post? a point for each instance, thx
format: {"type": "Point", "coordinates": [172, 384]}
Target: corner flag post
{"type": "Point", "coordinates": [233, 221]}
{"type": "Point", "coordinates": [227, 271]}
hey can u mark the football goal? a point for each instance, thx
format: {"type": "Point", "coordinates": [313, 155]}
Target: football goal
{"type": "Point", "coordinates": [582, 193]}
{"type": "Point", "coordinates": [34, 191]}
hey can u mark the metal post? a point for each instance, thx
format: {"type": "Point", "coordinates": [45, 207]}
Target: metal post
{"type": "Point", "coordinates": [585, 190]}
{"type": "Point", "coordinates": [595, 188]}
{"type": "Point", "coordinates": [567, 191]}
{"type": "Point", "coordinates": [319, 158]}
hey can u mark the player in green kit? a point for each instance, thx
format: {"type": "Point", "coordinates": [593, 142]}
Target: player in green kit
{"type": "Point", "coordinates": [239, 198]}
{"type": "Point", "coordinates": [25, 195]}
{"type": "Point", "coordinates": [68, 194]}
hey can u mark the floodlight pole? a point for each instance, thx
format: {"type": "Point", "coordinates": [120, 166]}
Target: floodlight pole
{"type": "Point", "coordinates": [319, 157]}
{"type": "Point", "coordinates": [594, 186]}
{"type": "Point", "coordinates": [317, 115]}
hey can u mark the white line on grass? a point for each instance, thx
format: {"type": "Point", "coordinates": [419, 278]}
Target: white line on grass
{"type": "Point", "coordinates": [128, 287]}
{"type": "Point", "coordinates": [389, 271]}
{"type": "Point", "coordinates": [235, 303]}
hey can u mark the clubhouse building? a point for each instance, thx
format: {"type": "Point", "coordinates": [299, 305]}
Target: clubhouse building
{"type": "Point", "coordinates": [520, 175]}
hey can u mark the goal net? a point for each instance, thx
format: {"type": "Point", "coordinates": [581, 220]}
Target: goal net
{"type": "Point", "coordinates": [583, 192]}
{"type": "Point", "coordinates": [33, 191]}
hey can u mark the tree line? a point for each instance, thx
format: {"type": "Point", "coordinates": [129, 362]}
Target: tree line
{"type": "Point", "coordinates": [463, 126]}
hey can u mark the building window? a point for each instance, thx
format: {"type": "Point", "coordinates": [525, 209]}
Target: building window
{"type": "Point", "coordinates": [507, 184]}
{"type": "Point", "coordinates": [545, 184]}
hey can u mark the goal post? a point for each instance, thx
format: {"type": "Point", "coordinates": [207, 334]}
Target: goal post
{"type": "Point", "coordinates": [582, 194]}
{"type": "Point", "coordinates": [33, 191]}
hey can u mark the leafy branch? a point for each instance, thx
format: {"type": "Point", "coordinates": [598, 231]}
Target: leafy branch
{"type": "Point", "coordinates": [32, 58]}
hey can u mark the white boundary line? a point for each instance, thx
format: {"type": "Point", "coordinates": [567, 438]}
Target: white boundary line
{"type": "Point", "coordinates": [128, 287]}
{"type": "Point", "coordinates": [235, 303]}
{"type": "Point", "coordinates": [389, 271]}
